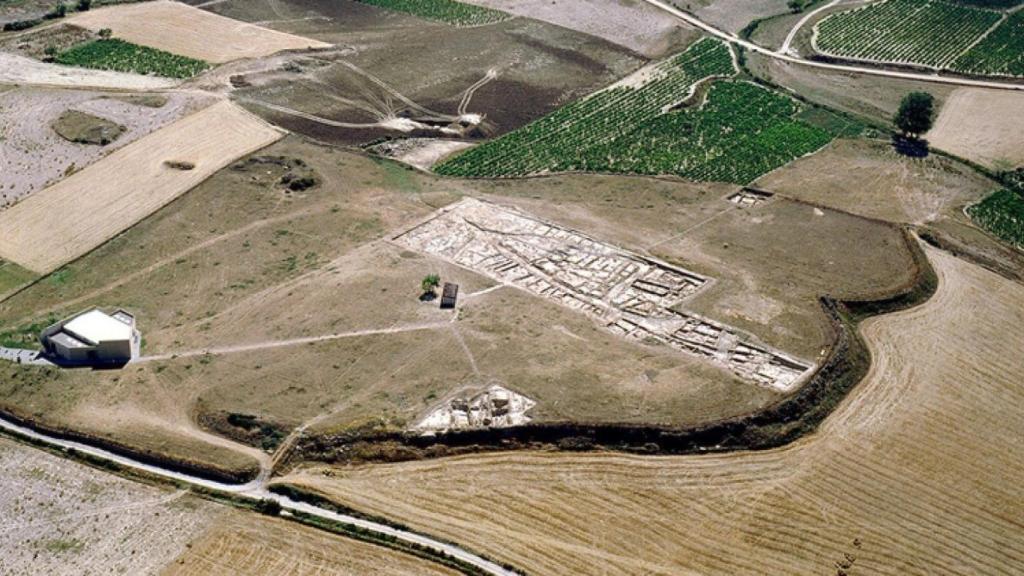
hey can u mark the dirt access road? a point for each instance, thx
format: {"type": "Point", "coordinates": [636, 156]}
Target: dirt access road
{"type": "Point", "coordinates": [781, 55]}
{"type": "Point", "coordinates": [256, 490]}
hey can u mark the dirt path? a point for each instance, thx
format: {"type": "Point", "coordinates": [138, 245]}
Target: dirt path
{"type": "Point", "coordinates": [142, 272]}
{"type": "Point", "coordinates": [779, 55]}
{"type": "Point", "coordinates": [216, 351]}
{"type": "Point", "coordinates": [799, 25]}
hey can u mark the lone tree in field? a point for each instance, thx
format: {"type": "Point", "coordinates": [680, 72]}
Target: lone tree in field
{"type": "Point", "coordinates": [917, 110]}
{"type": "Point", "coordinates": [430, 283]}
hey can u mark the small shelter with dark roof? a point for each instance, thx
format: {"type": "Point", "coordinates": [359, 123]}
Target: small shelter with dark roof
{"type": "Point", "coordinates": [449, 295]}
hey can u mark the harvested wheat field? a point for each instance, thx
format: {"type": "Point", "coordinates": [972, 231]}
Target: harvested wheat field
{"type": "Point", "coordinates": [70, 218]}
{"type": "Point", "coordinates": [915, 473]}
{"type": "Point", "coordinates": [240, 543]}
{"type": "Point", "coordinates": [985, 126]}
{"type": "Point", "coordinates": [181, 29]}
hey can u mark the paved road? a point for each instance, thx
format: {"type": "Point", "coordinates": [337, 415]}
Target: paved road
{"type": "Point", "coordinates": [256, 489]}
{"type": "Point", "coordinates": [920, 76]}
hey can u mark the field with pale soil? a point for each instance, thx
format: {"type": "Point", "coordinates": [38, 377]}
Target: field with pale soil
{"type": "Point", "coordinates": [61, 517]}
{"type": "Point", "coordinates": [181, 29]}
{"type": "Point", "coordinates": [913, 474]}
{"type": "Point", "coordinates": [60, 223]}
{"type": "Point", "coordinates": [985, 126]}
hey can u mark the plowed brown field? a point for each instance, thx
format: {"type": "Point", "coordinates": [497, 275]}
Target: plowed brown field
{"type": "Point", "coordinates": [181, 29]}
{"type": "Point", "coordinates": [70, 218]}
{"type": "Point", "coordinates": [917, 472]}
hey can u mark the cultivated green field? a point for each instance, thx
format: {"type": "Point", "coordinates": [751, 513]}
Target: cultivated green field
{"type": "Point", "coordinates": [115, 54]}
{"type": "Point", "coordinates": [447, 11]}
{"type": "Point", "coordinates": [1001, 214]}
{"type": "Point", "coordinates": [737, 133]}
{"type": "Point", "coordinates": [922, 32]}
{"type": "Point", "coordinates": [1000, 53]}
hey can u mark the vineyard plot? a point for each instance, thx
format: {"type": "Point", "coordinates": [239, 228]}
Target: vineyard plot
{"type": "Point", "coordinates": [1001, 53]}
{"type": "Point", "coordinates": [640, 126]}
{"type": "Point", "coordinates": [1001, 214]}
{"type": "Point", "coordinates": [919, 32]}
{"type": "Point", "coordinates": [447, 11]}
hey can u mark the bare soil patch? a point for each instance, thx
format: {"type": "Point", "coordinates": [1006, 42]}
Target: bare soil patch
{"type": "Point", "coordinates": [916, 440]}
{"type": "Point", "coordinates": [15, 69]}
{"type": "Point", "coordinates": [395, 68]}
{"type": "Point", "coordinates": [33, 156]}
{"type": "Point", "coordinates": [733, 15]}
{"type": "Point", "coordinates": [873, 180]}
{"type": "Point", "coordinates": [984, 126]}
{"type": "Point", "coordinates": [637, 26]}
{"type": "Point", "coordinates": [48, 229]}
{"type": "Point", "coordinates": [181, 29]}
{"type": "Point", "coordinates": [62, 518]}
{"type": "Point", "coordinates": [83, 128]}
{"type": "Point", "coordinates": [35, 44]}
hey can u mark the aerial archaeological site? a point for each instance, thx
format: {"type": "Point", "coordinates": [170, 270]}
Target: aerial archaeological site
{"type": "Point", "coordinates": [511, 287]}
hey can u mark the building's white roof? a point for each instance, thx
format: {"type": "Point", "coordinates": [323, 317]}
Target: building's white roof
{"type": "Point", "coordinates": [95, 327]}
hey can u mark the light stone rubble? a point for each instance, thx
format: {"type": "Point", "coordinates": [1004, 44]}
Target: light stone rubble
{"type": "Point", "coordinates": [495, 407]}
{"type": "Point", "coordinates": [629, 294]}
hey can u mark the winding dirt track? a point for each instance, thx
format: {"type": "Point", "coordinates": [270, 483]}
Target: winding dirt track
{"type": "Point", "coordinates": [915, 473]}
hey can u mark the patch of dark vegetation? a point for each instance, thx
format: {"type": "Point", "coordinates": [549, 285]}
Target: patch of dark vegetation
{"type": "Point", "coordinates": [793, 417]}
{"type": "Point", "coordinates": [147, 100]}
{"type": "Point", "coordinates": [179, 165]}
{"type": "Point", "coordinates": [288, 174]}
{"type": "Point", "coordinates": [245, 428]}
{"type": "Point", "coordinates": [82, 128]}
{"type": "Point", "coordinates": [910, 146]}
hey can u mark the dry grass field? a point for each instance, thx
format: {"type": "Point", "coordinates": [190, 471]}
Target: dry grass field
{"type": "Point", "coordinates": [733, 15]}
{"type": "Point", "coordinates": [181, 29]}
{"type": "Point", "coordinates": [70, 218]}
{"type": "Point", "coordinates": [285, 279]}
{"type": "Point", "coordinates": [636, 25]}
{"type": "Point", "coordinates": [61, 517]}
{"type": "Point", "coordinates": [913, 474]}
{"type": "Point", "coordinates": [241, 544]}
{"type": "Point", "coordinates": [985, 126]}
{"type": "Point", "coordinates": [871, 179]}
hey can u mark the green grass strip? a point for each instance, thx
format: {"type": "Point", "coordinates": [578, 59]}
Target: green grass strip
{"type": "Point", "coordinates": [1002, 214]}
{"type": "Point", "coordinates": [447, 11]}
{"type": "Point", "coordinates": [121, 56]}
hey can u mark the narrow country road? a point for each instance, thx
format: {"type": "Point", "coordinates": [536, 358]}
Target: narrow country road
{"type": "Point", "coordinates": [732, 39]}
{"type": "Point", "coordinates": [257, 490]}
